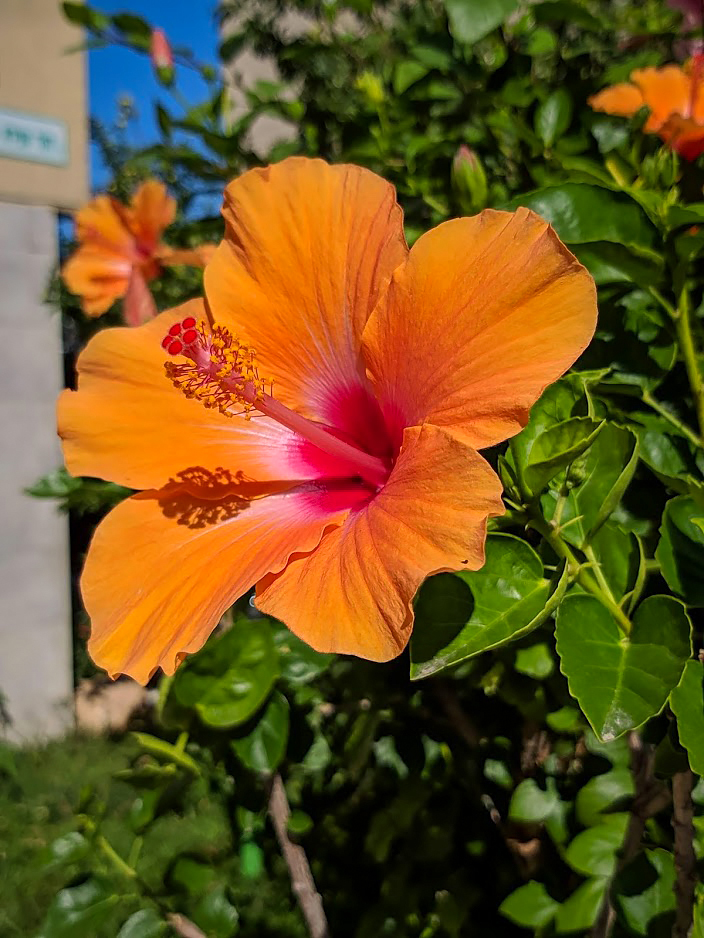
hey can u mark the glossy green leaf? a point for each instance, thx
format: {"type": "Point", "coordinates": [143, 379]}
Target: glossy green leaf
{"type": "Point", "coordinates": [408, 73]}
{"type": "Point", "coordinates": [593, 852]}
{"type": "Point", "coordinates": [536, 661]}
{"type": "Point", "coordinates": [530, 906]}
{"type": "Point", "coordinates": [581, 214]}
{"type": "Point", "coordinates": [78, 911]}
{"type": "Point", "coordinates": [600, 478]}
{"type": "Point", "coordinates": [471, 20]}
{"type": "Point", "coordinates": [603, 793]}
{"type": "Point", "coordinates": [680, 550]}
{"type": "Point", "coordinates": [461, 615]}
{"type": "Point", "coordinates": [687, 703]}
{"type": "Point", "coordinates": [82, 15]}
{"type": "Point", "coordinates": [553, 116]}
{"type": "Point", "coordinates": [579, 912]}
{"type": "Point", "coordinates": [557, 447]}
{"type": "Point", "coordinates": [612, 263]}
{"type": "Point", "coordinates": [531, 804]}
{"type": "Point", "coordinates": [263, 748]}
{"type": "Point", "coordinates": [621, 682]}
{"type": "Point", "coordinates": [692, 214]}
{"type": "Point", "coordinates": [147, 923]}
{"type": "Point", "coordinates": [300, 664]}
{"type": "Point", "coordinates": [215, 914]}
{"type": "Point", "coordinates": [643, 894]}
{"type": "Point", "coordinates": [231, 677]}
{"type": "Point", "coordinates": [619, 556]}
{"type": "Point", "coordinates": [69, 848]}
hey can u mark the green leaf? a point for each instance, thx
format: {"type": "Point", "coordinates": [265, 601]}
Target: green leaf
{"type": "Point", "coordinates": [146, 923]}
{"type": "Point", "coordinates": [299, 824]}
{"type": "Point", "coordinates": [133, 26]}
{"type": "Point", "coordinates": [215, 914]}
{"type": "Point", "coordinates": [603, 474]}
{"type": "Point", "coordinates": [231, 677]}
{"type": "Point", "coordinates": [82, 15]}
{"type": "Point", "coordinates": [530, 906]}
{"type": "Point", "coordinates": [602, 793]}
{"type": "Point", "coordinates": [581, 214]}
{"type": "Point", "coordinates": [593, 852]}
{"type": "Point", "coordinates": [190, 875]}
{"type": "Point", "coordinates": [69, 848]}
{"type": "Point", "coordinates": [262, 749]}
{"type": "Point", "coordinates": [621, 682]}
{"type": "Point", "coordinates": [300, 664]}
{"type": "Point", "coordinates": [407, 73]}
{"type": "Point", "coordinates": [557, 447]}
{"type": "Point", "coordinates": [687, 702]}
{"type": "Point", "coordinates": [643, 894]}
{"type": "Point", "coordinates": [535, 661]}
{"type": "Point", "coordinates": [553, 116]}
{"type": "Point", "coordinates": [613, 263]}
{"type": "Point", "coordinates": [679, 215]}
{"type": "Point", "coordinates": [471, 20]}
{"type": "Point", "coordinates": [620, 558]}
{"type": "Point", "coordinates": [531, 804]}
{"type": "Point", "coordinates": [460, 615]}
{"type": "Point", "coordinates": [680, 550]}
{"type": "Point", "coordinates": [78, 911]}
{"type": "Point", "coordinates": [578, 913]}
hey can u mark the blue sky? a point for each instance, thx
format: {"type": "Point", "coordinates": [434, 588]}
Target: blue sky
{"type": "Point", "coordinates": [115, 72]}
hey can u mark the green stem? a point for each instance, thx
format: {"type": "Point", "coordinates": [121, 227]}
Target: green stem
{"type": "Point", "coordinates": [683, 326]}
{"type": "Point", "coordinates": [598, 572]}
{"type": "Point", "coordinates": [114, 858]}
{"type": "Point", "coordinates": [579, 573]}
{"type": "Point", "coordinates": [659, 408]}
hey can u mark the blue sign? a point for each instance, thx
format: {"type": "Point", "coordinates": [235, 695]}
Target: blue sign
{"type": "Point", "coordinates": [36, 139]}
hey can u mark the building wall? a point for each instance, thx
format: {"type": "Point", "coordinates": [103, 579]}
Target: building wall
{"type": "Point", "coordinates": [39, 78]}
{"type": "Point", "coordinates": [36, 669]}
{"type": "Point", "coordinates": [41, 88]}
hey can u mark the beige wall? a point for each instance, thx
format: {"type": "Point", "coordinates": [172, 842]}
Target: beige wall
{"type": "Point", "coordinates": [38, 77]}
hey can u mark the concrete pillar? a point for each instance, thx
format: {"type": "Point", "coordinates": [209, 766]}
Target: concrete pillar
{"type": "Point", "coordinates": [36, 673]}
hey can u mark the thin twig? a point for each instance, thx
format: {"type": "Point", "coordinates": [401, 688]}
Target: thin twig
{"type": "Point", "coordinates": [184, 927]}
{"type": "Point", "coordinates": [649, 799]}
{"type": "Point", "coordinates": [302, 882]}
{"type": "Point", "coordinates": [685, 861]}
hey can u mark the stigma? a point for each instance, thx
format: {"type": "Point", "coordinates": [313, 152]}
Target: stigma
{"type": "Point", "coordinates": [221, 372]}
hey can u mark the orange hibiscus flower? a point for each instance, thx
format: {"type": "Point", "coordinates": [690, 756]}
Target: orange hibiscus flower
{"type": "Point", "coordinates": [378, 373]}
{"type": "Point", "coordinates": [673, 97]}
{"type": "Point", "coordinates": [120, 248]}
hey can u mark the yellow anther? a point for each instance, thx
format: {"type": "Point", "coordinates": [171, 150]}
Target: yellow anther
{"type": "Point", "coordinates": [222, 373]}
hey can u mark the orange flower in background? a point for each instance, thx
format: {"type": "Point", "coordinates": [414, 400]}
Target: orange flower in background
{"type": "Point", "coordinates": [673, 97]}
{"type": "Point", "coordinates": [336, 467]}
{"type": "Point", "coordinates": [120, 247]}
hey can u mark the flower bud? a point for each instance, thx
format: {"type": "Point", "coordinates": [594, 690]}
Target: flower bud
{"type": "Point", "coordinates": [162, 57]}
{"type": "Point", "coordinates": [469, 180]}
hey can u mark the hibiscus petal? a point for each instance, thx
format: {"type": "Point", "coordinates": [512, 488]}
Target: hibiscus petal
{"type": "Point", "coordinates": [666, 91]}
{"type": "Point", "coordinates": [102, 222]}
{"type": "Point", "coordinates": [684, 135]}
{"type": "Point", "coordinates": [354, 594]}
{"type": "Point", "coordinates": [152, 210]}
{"type": "Point", "coordinates": [486, 313]}
{"type": "Point", "coordinates": [307, 251]}
{"type": "Point", "coordinates": [139, 305]}
{"type": "Point", "coordinates": [98, 275]}
{"type": "Point", "coordinates": [128, 423]}
{"type": "Point", "coordinates": [165, 565]}
{"type": "Point", "coordinates": [622, 100]}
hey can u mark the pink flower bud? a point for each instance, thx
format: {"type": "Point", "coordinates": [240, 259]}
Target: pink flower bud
{"type": "Point", "coordinates": [161, 54]}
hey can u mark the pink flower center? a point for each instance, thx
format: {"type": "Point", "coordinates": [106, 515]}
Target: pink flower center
{"type": "Point", "coordinates": [222, 373]}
